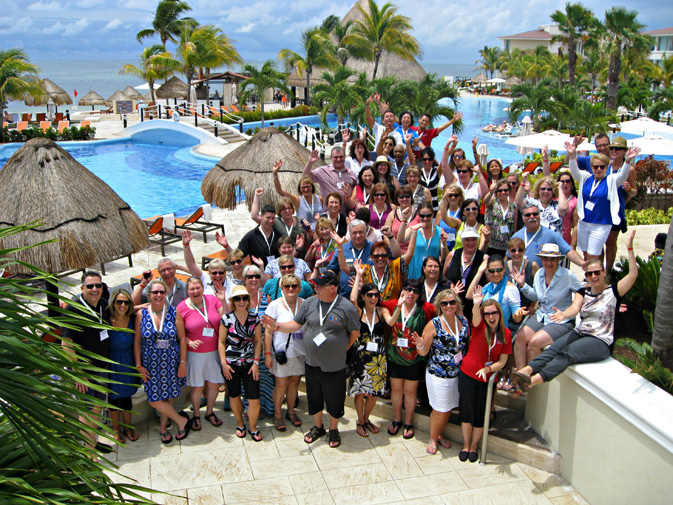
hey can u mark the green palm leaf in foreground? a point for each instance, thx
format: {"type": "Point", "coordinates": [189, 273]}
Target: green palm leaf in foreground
{"type": "Point", "coordinates": [43, 458]}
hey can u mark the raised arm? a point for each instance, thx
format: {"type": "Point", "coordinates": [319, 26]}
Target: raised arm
{"type": "Point", "coordinates": [627, 282]}
{"type": "Point", "coordinates": [312, 158]}
{"type": "Point", "coordinates": [545, 161]}
{"type": "Point", "coordinates": [456, 117]}
{"type": "Point", "coordinates": [520, 198]}
{"type": "Point", "coordinates": [625, 169]}
{"type": "Point", "coordinates": [477, 277]}
{"type": "Point", "coordinates": [355, 292]}
{"type": "Point", "coordinates": [477, 298]}
{"type": "Point", "coordinates": [343, 264]}
{"type": "Point", "coordinates": [254, 208]}
{"type": "Point", "coordinates": [388, 236]}
{"type": "Point", "coordinates": [562, 201]}
{"type": "Point", "coordinates": [412, 243]}
{"type": "Point", "coordinates": [572, 161]}
{"type": "Point", "coordinates": [450, 146]}
{"type": "Point", "coordinates": [194, 269]}
{"type": "Point", "coordinates": [475, 140]}
{"type": "Point", "coordinates": [452, 222]}
{"type": "Point", "coordinates": [276, 183]}
{"type": "Point", "coordinates": [483, 185]}
{"type": "Point", "coordinates": [409, 149]}
{"type": "Point", "coordinates": [368, 113]}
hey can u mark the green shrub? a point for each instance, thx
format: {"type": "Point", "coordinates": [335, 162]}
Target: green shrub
{"type": "Point", "coordinates": [648, 216]}
{"type": "Point", "coordinates": [270, 115]}
{"type": "Point", "coordinates": [73, 133]}
{"type": "Point", "coordinates": [644, 291]}
{"type": "Point", "coordinates": [646, 365]}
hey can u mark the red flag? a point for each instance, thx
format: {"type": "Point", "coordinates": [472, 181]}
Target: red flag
{"type": "Point", "coordinates": [75, 93]}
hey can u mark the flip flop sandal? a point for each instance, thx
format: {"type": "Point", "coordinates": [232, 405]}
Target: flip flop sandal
{"type": "Point", "coordinates": [279, 424]}
{"type": "Point", "coordinates": [293, 418]}
{"type": "Point", "coordinates": [183, 434]}
{"type": "Point", "coordinates": [119, 437]}
{"type": "Point", "coordinates": [240, 432]}
{"type": "Point", "coordinates": [166, 438]}
{"type": "Point", "coordinates": [408, 432]}
{"type": "Point", "coordinates": [314, 434]}
{"type": "Point", "coordinates": [196, 423]}
{"type": "Point", "coordinates": [431, 448]}
{"type": "Point", "coordinates": [334, 439]}
{"type": "Point", "coordinates": [362, 433]}
{"type": "Point", "coordinates": [131, 434]}
{"type": "Point", "coordinates": [213, 419]}
{"type": "Point", "coordinates": [508, 386]}
{"type": "Point", "coordinates": [256, 436]}
{"type": "Point", "coordinates": [444, 443]}
{"type": "Point", "coordinates": [394, 428]}
{"type": "Point", "coordinates": [371, 427]}
{"type": "Point", "coordinates": [521, 379]}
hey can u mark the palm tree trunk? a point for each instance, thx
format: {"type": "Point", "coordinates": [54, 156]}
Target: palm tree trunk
{"type": "Point", "coordinates": [572, 60]}
{"type": "Point", "coordinates": [151, 83]}
{"type": "Point", "coordinates": [260, 92]}
{"type": "Point", "coordinates": [308, 87]}
{"type": "Point", "coordinates": [377, 57]}
{"type": "Point", "coordinates": [662, 334]}
{"type": "Point", "coordinates": [613, 78]}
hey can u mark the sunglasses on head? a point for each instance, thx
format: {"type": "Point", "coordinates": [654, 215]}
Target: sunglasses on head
{"type": "Point", "coordinates": [445, 303]}
{"type": "Point", "coordinates": [96, 285]}
{"type": "Point", "coordinates": [253, 276]}
{"type": "Point", "coordinates": [243, 298]}
{"type": "Point", "coordinates": [495, 270]}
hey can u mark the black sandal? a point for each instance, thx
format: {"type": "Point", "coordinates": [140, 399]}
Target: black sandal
{"type": "Point", "coordinates": [406, 435]}
{"type": "Point", "coordinates": [256, 436]}
{"type": "Point", "coordinates": [196, 423]}
{"type": "Point", "coordinates": [394, 428]}
{"type": "Point", "coordinates": [314, 434]}
{"type": "Point", "coordinates": [182, 434]}
{"type": "Point", "coordinates": [166, 438]}
{"type": "Point", "coordinates": [240, 432]}
{"type": "Point", "coordinates": [334, 439]}
{"type": "Point", "coordinates": [213, 419]}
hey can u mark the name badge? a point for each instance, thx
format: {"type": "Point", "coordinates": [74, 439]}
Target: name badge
{"type": "Point", "coordinates": [208, 332]}
{"type": "Point", "coordinates": [458, 357]}
{"type": "Point", "coordinates": [103, 335]}
{"type": "Point", "coordinates": [402, 342]}
{"type": "Point", "coordinates": [372, 347]}
{"type": "Point", "coordinates": [340, 185]}
{"type": "Point", "coordinates": [298, 335]}
{"type": "Point", "coordinates": [451, 237]}
{"type": "Point", "coordinates": [504, 229]}
{"type": "Point", "coordinates": [589, 205]}
{"type": "Point", "coordinates": [163, 344]}
{"type": "Point", "coordinates": [319, 339]}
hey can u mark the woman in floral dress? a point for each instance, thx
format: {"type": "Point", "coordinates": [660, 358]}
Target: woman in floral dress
{"type": "Point", "coordinates": [500, 218]}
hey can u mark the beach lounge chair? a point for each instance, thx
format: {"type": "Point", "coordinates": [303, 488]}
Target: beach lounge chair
{"type": "Point", "coordinates": [58, 117]}
{"type": "Point", "coordinates": [219, 255]}
{"type": "Point", "coordinates": [234, 108]}
{"type": "Point", "coordinates": [62, 125]}
{"type": "Point", "coordinates": [530, 167]}
{"type": "Point", "coordinates": [555, 166]}
{"type": "Point", "coordinates": [5, 124]}
{"type": "Point", "coordinates": [85, 123]}
{"type": "Point", "coordinates": [159, 232]}
{"type": "Point", "coordinates": [40, 116]}
{"type": "Point", "coordinates": [45, 125]}
{"type": "Point", "coordinates": [26, 117]}
{"type": "Point", "coordinates": [135, 280]}
{"type": "Point", "coordinates": [128, 256]}
{"type": "Point", "coordinates": [21, 125]}
{"type": "Point", "coordinates": [197, 222]}
{"type": "Point", "coordinates": [224, 108]}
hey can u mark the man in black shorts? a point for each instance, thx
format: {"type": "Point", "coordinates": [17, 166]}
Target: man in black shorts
{"type": "Point", "coordinates": [331, 325]}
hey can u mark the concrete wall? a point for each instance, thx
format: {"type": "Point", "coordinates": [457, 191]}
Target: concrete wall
{"type": "Point", "coordinates": [613, 429]}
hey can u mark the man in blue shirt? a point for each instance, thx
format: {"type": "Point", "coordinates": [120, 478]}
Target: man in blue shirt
{"type": "Point", "coordinates": [534, 236]}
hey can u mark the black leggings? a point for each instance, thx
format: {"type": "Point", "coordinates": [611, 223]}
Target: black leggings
{"type": "Point", "coordinates": [121, 403]}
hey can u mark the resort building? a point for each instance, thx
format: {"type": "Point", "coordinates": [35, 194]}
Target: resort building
{"type": "Point", "coordinates": [534, 38]}
{"type": "Point", "coordinates": [663, 44]}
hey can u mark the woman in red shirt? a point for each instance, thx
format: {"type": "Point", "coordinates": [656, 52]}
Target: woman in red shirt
{"type": "Point", "coordinates": [489, 347]}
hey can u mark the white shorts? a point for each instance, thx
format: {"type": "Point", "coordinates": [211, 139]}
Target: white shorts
{"type": "Point", "coordinates": [442, 393]}
{"type": "Point", "coordinates": [592, 237]}
{"type": "Point", "coordinates": [294, 366]}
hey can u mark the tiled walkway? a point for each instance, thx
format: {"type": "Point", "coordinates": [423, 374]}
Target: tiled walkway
{"type": "Point", "coordinates": [213, 467]}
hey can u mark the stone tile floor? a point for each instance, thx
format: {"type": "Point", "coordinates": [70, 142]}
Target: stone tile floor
{"type": "Point", "coordinates": [214, 467]}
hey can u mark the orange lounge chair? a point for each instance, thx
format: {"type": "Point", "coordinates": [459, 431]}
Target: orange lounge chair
{"type": "Point", "coordinates": [195, 223]}
{"type": "Point", "coordinates": [234, 108]}
{"type": "Point", "coordinates": [219, 255]}
{"type": "Point", "coordinates": [26, 117]}
{"type": "Point", "coordinates": [62, 125]}
{"type": "Point", "coordinates": [224, 108]}
{"type": "Point", "coordinates": [135, 280]}
{"type": "Point", "coordinates": [158, 235]}
{"type": "Point", "coordinates": [45, 125]}
{"type": "Point", "coordinates": [85, 123]}
{"type": "Point", "coordinates": [5, 124]}
{"type": "Point", "coordinates": [40, 116]}
{"type": "Point", "coordinates": [555, 166]}
{"type": "Point", "coordinates": [21, 125]}
{"type": "Point", "coordinates": [530, 167]}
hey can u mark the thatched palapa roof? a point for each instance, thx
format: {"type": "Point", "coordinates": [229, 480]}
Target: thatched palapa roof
{"type": "Point", "coordinates": [131, 92]}
{"type": "Point", "coordinates": [479, 79]}
{"type": "Point", "coordinates": [117, 95]}
{"type": "Point", "coordinates": [173, 88]}
{"type": "Point", "coordinates": [250, 166]}
{"type": "Point", "coordinates": [52, 92]}
{"type": "Point", "coordinates": [92, 98]}
{"type": "Point", "coordinates": [42, 182]}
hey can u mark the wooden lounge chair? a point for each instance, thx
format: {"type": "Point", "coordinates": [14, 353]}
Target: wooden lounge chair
{"type": "Point", "coordinates": [21, 125]}
{"type": "Point", "coordinates": [530, 167]}
{"type": "Point", "coordinates": [135, 280]}
{"type": "Point", "coordinates": [158, 235]}
{"type": "Point", "coordinates": [197, 224]}
{"type": "Point", "coordinates": [85, 123]}
{"type": "Point", "coordinates": [555, 166]}
{"type": "Point", "coordinates": [62, 125]}
{"type": "Point", "coordinates": [40, 116]}
{"type": "Point", "coordinates": [58, 117]}
{"type": "Point", "coordinates": [45, 125]}
{"type": "Point", "coordinates": [219, 255]}
{"type": "Point", "coordinates": [26, 117]}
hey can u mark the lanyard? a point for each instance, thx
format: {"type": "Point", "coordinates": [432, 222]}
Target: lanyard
{"type": "Point", "coordinates": [449, 330]}
{"type": "Point", "coordinates": [404, 321]}
{"type": "Point", "coordinates": [259, 299]}
{"type": "Point", "coordinates": [502, 209]}
{"type": "Point", "coordinates": [169, 298]}
{"type": "Point", "coordinates": [161, 325]}
{"type": "Point", "coordinates": [594, 186]}
{"type": "Point", "coordinates": [379, 215]}
{"type": "Point", "coordinates": [490, 346]}
{"type": "Point", "coordinates": [464, 264]}
{"type": "Point", "coordinates": [324, 251]}
{"type": "Point", "coordinates": [428, 296]}
{"type": "Point", "coordinates": [203, 314]}
{"type": "Point", "coordinates": [268, 244]}
{"type": "Point", "coordinates": [322, 318]}
{"type": "Point", "coordinates": [88, 307]}
{"type": "Point", "coordinates": [375, 278]}
{"type": "Point", "coordinates": [370, 324]}
{"type": "Point", "coordinates": [427, 178]}
{"type": "Point", "coordinates": [287, 230]}
{"type": "Point", "coordinates": [359, 255]}
{"type": "Point", "coordinates": [413, 197]}
{"type": "Point", "coordinates": [427, 241]}
{"type": "Point", "coordinates": [366, 195]}
{"type": "Point", "coordinates": [287, 305]}
{"type": "Point", "coordinates": [526, 239]}
{"type": "Point", "coordinates": [309, 206]}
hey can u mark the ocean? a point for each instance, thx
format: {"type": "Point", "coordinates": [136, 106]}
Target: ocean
{"type": "Point", "coordinates": [101, 76]}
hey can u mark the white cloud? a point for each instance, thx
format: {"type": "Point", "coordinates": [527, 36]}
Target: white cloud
{"type": "Point", "coordinates": [246, 29]}
{"type": "Point", "coordinates": [44, 6]}
{"type": "Point", "coordinates": [112, 25]}
{"type": "Point", "coordinates": [69, 28]}
{"type": "Point", "coordinates": [14, 24]}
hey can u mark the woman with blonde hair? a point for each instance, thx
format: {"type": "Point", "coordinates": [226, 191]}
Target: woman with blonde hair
{"type": "Point", "coordinates": [307, 203]}
{"type": "Point", "coordinates": [452, 199]}
{"type": "Point", "coordinates": [553, 203]}
{"type": "Point", "coordinates": [324, 248]}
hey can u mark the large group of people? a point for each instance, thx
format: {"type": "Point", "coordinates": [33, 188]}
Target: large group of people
{"type": "Point", "coordinates": [387, 273]}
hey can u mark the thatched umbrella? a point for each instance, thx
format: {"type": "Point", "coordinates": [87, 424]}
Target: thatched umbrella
{"type": "Point", "coordinates": [250, 167]}
{"type": "Point", "coordinates": [173, 88]}
{"type": "Point", "coordinates": [512, 81]}
{"type": "Point", "coordinates": [117, 95]}
{"type": "Point", "coordinates": [53, 92]}
{"type": "Point", "coordinates": [92, 98]}
{"type": "Point", "coordinates": [480, 79]}
{"type": "Point", "coordinates": [91, 223]}
{"type": "Point", "coordinates": [132, 93]}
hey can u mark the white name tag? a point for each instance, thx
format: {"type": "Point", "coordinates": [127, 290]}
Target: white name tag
{"type": "Point", "coordinates": [340, 185]}
{"type": "Point", "coordinates": [319, 339]}
{"type": "Point", "coordinates": [163, 344]}
{"type": "Point", "coordinates": [504, 229]}
{"type": "Point", "coordinates": [103, 335]}
{"type": "Point", "coordinates": [402, 342]}
{"type": "Point", "coordinates": [589, 205]}
{"type": "Point", "coordinates": [208, 332]}
{"type": "Point", "coordinates": [451, 237]}
{"type": "Point", "coordinates": [458, 357]}
{"type": "Point", "coordinates": [372, 347]}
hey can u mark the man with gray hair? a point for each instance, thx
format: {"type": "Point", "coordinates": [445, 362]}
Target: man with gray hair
{"type": "Point", "coordinates": [332, 177]}
{"type": "Point", "coordinates": [177, 289]}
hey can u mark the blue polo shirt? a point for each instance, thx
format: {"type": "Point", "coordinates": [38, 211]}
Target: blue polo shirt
{"type": "Point", "coordinates": [535, 241]}
{"type": "Point", "coordinates": [351, 254]}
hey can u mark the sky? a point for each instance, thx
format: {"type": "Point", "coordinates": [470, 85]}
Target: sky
{"type": "Point", "coordinates": [449, 32]}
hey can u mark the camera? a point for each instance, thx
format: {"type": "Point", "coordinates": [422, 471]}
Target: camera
{"type": "Point", "coordinates": [281, 357]}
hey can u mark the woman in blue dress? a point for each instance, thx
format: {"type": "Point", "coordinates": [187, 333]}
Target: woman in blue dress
{"type": "Point", "coordinates": [161, 357]}
{"type": "Point", "coordinates": [123, 386]}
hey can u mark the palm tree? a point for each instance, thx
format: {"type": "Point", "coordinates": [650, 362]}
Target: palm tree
{"type": "Point", "coordinates": [557, 68]}
{"type": "Point", "coordinates": [592, 117]}
{"type": "Point", "coordinates": [621, 33]}
{"type": "Point", "coordinates": [317, 52]}
{"type": "Point", "coordinates": [663, 101]}
{"type": "Point", "coordinates": [592, 64]}
{"type": "Point", "coordinates": [155, 63]}
{"type": "Point", "coordinates": [489, 61]}
{"type": "Point", "coordinates": [18, 77]}
{"type": "Point", "coordinates": [167, 23]}
{"type": "Point", "coordinates": [536, 98]}
{"type": "Point", "coordinates": [574, 24]}
{"type": "Point", "coordinates": [198, 48]}
{"type": "Point", "coordinates": [383, 30]}
{"type": "Point", "coordinates": [662, 334]}
{"type": "Point", "coordinates": [435, 97]}
{"type": "Point", "coordinates": [567, 100]}
{"type": "Point", "coordinates": [219, 51]}
{"type": "Point", "coordinates": [260, 80]}
{"type": "Point", "coordinates": [344, 50]}
{"type": "Point", "coordinates": [336, 92]}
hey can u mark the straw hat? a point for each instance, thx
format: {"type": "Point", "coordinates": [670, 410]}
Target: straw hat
{"type": "Point", "coordinates": [382, 159]}
{"type": "Point", "coordinates": [550, 251]}
{"type": "Point", "coordinates": [239, 291]}
{"type": "Point", "coordinates": [619, 142]}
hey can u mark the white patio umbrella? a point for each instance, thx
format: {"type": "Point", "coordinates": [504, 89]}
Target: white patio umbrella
{"type": "Point", "coordinates": [143, 87]}
{"type": "Point", "coordinates": [644, 125]}
{"type": "Point", "coordinates": [526, 130]}
{"type": "Point", "coordinates": [496, 80]}
{"type": "Point", "coordinates": [653, 144]}
{"type": "Point", "coordinates": [482, 152]}
{"type": "Point", "coordinates": [553, 139]}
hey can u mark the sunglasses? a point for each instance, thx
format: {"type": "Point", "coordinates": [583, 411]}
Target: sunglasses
{"type": "Point", "coordinates": [462, 171]}
{"type": "Point", "coordinates": [286, 267]}
{"type": "Point", "coordinates": [495, 270]}
{"type": "Point", "coordinates": [598, 166]}
{"type": "Point", "coordinates": [546, 189]}
{"type": "Point", "coordinates": [291, 286]}
{"type": "Point", "coordinates": [458, 156]}
{"type": "Point", "coordinates": [531, 214]}
{"type": "Point", "coordinates": [471, 209]}
{"type": "Point", "coordinates": [158, 292]}
{"type": "Point", "coordinates": [453, 195]}
{"type": "Point", "coordinates": [565, 181]}
{"type": "Point", "coordinates": [415, 291]}
{"type": "Point", "coordinates": [253, 276]}
{"type": "Point", "coordinates": [379, 256]}
{"type": "Point", "coordinates": [445, 303]}
{"type": "Point", "coordinates": [503, 191]}
{"type": "Point", "coordinates": [388, 144]}
{"type": "Point", "coordinates": [618, 149]}
{"type": "Point", "coordinates": [404, 197]}
{"type": "Point", "coordinates": [217, 273]}
{"type": "Point", "coordinates": [513, 183]}
{"type": "Point", "coordinates": [122, 302]}
{"type": "Point", "coordinates": [379, 194]}
{"type": "Point", "coordinates": [426, 159]}
{"type": "Point", "coordinates": [97, 285]}
{"type": "Point", "coordinates": [235, 262]}
{"type": "Point", "coordinates": [425, 216]}
{"type": "Point", "coordinates": [517, 250]}
{"type": "Point", "coordinates": [237, 299]}
{"type": "Point", "coordinates": [492, 314]}
{"type": "Point", "coordinates": [594, 273]}
{"type": "Point", "coordinates": [372, 295]}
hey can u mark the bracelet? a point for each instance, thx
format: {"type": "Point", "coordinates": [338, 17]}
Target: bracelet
{"type": "Point", "coordinates": [256, 360]}
{"type": "Point", "coordinates": [419, 347]}
{"type": "Point", "coordinates": [629, 248]}
{"type": "Point", "coordinates": [267, 354]}
{"type": "Point", "coordinates": [138, 366]}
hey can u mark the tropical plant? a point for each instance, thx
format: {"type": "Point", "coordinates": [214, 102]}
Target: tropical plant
{"type": "Point", "coordinates": [662, 102]}
{"type": "Point", "coordinates": [635, 94]}
{"type": "Point", "coordinates": [621, 32]}
{"type": "Point", "coordinates": [593, 64]}
{"type": "Point", "coordinates": [338, 36]}
{"type": "Point", "coordinates": [317, 51]}
{"type": "Point", "coordinates": [383, 30]}
{"type": "Point", "coordinates": [18, 77]}
{"type": "Point", "coordinates": [557, 68]}
{"type": "Point", "coordinates": [644, 292]}
{"type": "Point", "coordinates": [219, 51]}
{"type": "Point", "coordinates": [591, 117]}
{"type": "Point", "coordinates": [155, 63]}
{"type": "Point", "coordinates": [45, 457]}
{"type": "Point", "coordinates": [647, 365]}
{"type": "Point", "coordinates": [167, 23]}
{"type": "Point", "coordinates": [259, 80]}
{"type": "Point", "coordinates": [536, 98]}
{"type": "Point", "coordinates": [489, 61]}
{"type": "Point", "coordinates": [662, 334]}
{"type": "Point", "coordinates": [336, 92]}
{"type": "Point", "coordinates": [574, 25]}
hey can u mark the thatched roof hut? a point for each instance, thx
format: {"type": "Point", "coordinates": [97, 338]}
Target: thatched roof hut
{"type": "Point", "coordinates": [117, 95]}
{"type": "Point", "coordinates": [480, 79]}
{"type": "Point", "coordinates": [173, 88]}
{"type": "Point", "coordinates": [512, 81]}
{"type": "Point", "coordinates": [92, 98]}
{"type": "Point", "coordinates": [91, 223]}
{"type": "Point", "coordinates": [250, 166]}
{"type": "Point", "coordinates": [132, 92]}
{"type": "Point", "coordinates": [52, 92]}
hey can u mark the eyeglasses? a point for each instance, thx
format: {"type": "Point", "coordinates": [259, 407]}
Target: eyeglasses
{"type": "Point", "coordinates": [462, 171]}
{"type": "Point", "coordinates": [379, 194]}
{"type": "Point", "coordinates": [602, 146]}
{"type": "Point", "coordinates": [546, 189]}
{"type": "Point", "coordinates": [495, 270]}
{"type": "Point", "coordinates": [454, 195]}
{"type": "Point", "coordinates": [372, 295]}
{"type": "Point", "coordinates": [253, 276]}
{"type": "Point", "coordinates": [158, 292]}
{"type": "Point", "coordinates": [598, 166]}
{"type": "Point", "coordinates": [166, 270]}
{"type": "Point", "coordinates": [291, 286]}
{"type": "Point", "coordinates": [379, 256]}
{"type": "Point", "coordinates": [425, 216]}
{"type": "Point", "coordinates": [617, 148]}
{"type": "Point", "coordinates": [445, 303]}
{"type": "Point", "coordinates": [97, 285]}
{"type": "Point", "coordinates": [237, 299]}
{"type": "Point", "coordinates": [458, 156]}
{"type": "Point", "coordinates": [503, 190]}
{"type": "Point", "coordinates": [492, 314]}
{"type": "Point", "coordinates": [531, 214]}
{"type": "Point", "coordinates": [122, 302]}
{"type": "Point", "coordinates": [566, 181]}
{"type": "Point", "coordinates": [471, 209]}
{"type": "Point", "coordinates": [217, 273]}
{"type": "Point", "coordinates": [388, 144]}
{"type": "Point", "coordinates": [594, 273]}
{"type": "Point", "coordinates": [426, 159]}
{"type": "Point", "coordinates": [235, 262]}
{"type": "Point", "coordinates": [513, 183]}
{"type": "Point", "coordinates": [286, 267]}
{"type": "Point", "coordinates": [403, 197]}
{"type": "Point", "coordinates": [415, 291]}
{"type": "Point", "coordinates": [517, 250]}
